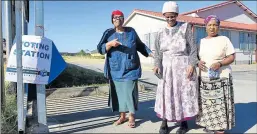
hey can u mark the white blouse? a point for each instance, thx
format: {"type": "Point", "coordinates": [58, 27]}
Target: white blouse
{"type": "Point", "coordinates": [213, 50]}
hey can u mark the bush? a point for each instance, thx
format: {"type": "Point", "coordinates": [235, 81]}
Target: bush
{"type": "Point", "coordinates": [66, 57]}
{"type": "Point", "coordinates": [9, 122]}
{"type": "Point", "coordinates": [77, 76]}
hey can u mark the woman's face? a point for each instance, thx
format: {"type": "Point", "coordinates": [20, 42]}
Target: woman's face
{"type": "Point", "coordinates": [118, 20]}
{"type": "Point", "coordinates": [212, 28]}
{"type": "Point", "coordinates": [171, 18]}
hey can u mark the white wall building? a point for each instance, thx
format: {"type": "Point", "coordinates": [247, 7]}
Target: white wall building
{"type": "Point", "coordinates": [240, 26]}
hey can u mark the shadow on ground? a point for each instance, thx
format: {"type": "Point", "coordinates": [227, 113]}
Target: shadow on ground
{"type": "Point", "coordinates": [246, 117]}
{"type": "Point", "coordinates": [97, 114]}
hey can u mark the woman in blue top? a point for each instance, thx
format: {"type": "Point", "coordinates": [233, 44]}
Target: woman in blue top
{"type": "Point", "coordinates": [122, 66]}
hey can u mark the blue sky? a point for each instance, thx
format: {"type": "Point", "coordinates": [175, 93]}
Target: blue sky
{"type": "Point", "coordinates": [76, 25]}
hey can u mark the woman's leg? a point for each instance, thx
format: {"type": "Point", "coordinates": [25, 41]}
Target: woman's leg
{"type": "Point", "coordinates": [183, 128]}
{"type": "Point", "coordinates": [131, 100]}
{"type": "Point", "coordinates": [131, 120]}
{"type": "Point", "coordinates": [121, 119]}
{"type": "Point", "coordinates": [164, 127]}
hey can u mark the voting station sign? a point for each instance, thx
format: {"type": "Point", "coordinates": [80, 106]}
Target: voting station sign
{"type": "Point", "coordinates": [41, 61]}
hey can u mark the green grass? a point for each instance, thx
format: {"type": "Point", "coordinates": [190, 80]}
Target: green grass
{"type": "Point", "coordinates": [83, 57]}
{"type": "Point", "coordinates": [9, 115]}
{"type": "Point", "coordinates": [72, 76]}
{"type": "Point", "coordinates": [77, 76]}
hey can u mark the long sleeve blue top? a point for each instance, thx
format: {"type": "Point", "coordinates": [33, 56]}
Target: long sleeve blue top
{"type": "Point", "coordinates": [122, 63]}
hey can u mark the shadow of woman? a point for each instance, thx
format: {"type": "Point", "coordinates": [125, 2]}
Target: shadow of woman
{"type": "Point", "coordinates": [246, 117]}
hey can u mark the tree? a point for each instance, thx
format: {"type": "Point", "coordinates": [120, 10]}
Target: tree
{"type": "Point", "coordinates": [82, 53]}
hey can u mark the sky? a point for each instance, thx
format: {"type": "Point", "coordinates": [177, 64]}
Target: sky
{"type": "Point", "coordinates": [76, 25]}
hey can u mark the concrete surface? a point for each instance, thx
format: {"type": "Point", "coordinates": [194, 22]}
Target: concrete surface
{"type": "Point", "coordinates": [90, 114]}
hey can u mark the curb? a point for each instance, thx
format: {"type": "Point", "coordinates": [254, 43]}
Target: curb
{"type": "Point", "coordinates": [71, 92]}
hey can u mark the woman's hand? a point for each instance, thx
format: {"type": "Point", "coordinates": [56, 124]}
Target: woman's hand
{"type": "Point", "coordinates": [151, 55]}
{"type": "Point", "coordinates": [112, 43]}
{"type": "Point", "coordinates": [202, 66]}
{"type": "Point", "coordinates": [156, 70]}
{"type": "Point", "coordinates": [190, 71]}
{"type": "Point", "coordinates": [216, 66]}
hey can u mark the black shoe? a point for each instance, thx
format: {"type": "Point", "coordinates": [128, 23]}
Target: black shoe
{"type": "Point", "coordinates": [164, 130]}
{"type": "Point", "coordinates": [183, 128]}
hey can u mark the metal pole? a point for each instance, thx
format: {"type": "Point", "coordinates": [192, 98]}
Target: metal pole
{"type": "Point", "coordinates": [8, 27]}
{"type": "Point", "coordinates": [24, 32]}
{"type": "Point", "coordinates": [20, 89]}
{"type": "Point", "coordinates": [9, 31]}
{"type": "Point", "coordinates": [1, 63]}
{"type": "Point", "coordinates": [24, 21]}
{"type": "Point", "coordinates": [41, 97]}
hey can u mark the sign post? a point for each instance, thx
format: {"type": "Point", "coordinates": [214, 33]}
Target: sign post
{"type": "Point", "coordinates": [41, 98]}
{"type": "Point", "coordinates": [41, 64]}
{"type": "Point", "coordinates": [19, 73]}
{"type": "Point", "coordinates": [33, 59]}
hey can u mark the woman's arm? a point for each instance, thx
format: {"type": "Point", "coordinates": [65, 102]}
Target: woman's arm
{"type": "Point", "coordinates": [104, 46]}
{"type": "Point", "coordinates": [157, 54]}
{"type": "Point", "coordinates": [141, 47]}
{"type": "Point", "coordinates": [228, 60]}
{"type": "Point", "coordinates": [191, 47]}
{"type": "Point", "coordinates": [230, 56]}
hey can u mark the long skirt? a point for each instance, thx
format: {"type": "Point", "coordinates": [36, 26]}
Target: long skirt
{"type": "Point", "coordinates": [216, 104]}
{"type": "Point", "coordinates": [176, 96]}
{"type": "Point", "coordinates": [127, 95]}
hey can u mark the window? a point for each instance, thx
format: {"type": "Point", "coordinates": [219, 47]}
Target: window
{"type": "Point", "coordinates": [200, 33]}
{"type": "Point", "coordinates": [247, 41]}
{"type": "Point", "coordinates": [146, 39]}
{"type": "Point", "coordinates": [149, 39]}
{"type": "Point", "coordinates": [252, 42]}
{"type": "Point", "coordinates": [152, 40]}
{"type": "Point", "coordinates": [225, 33]}
{"type": "Point", "coordinates": [242, 44]}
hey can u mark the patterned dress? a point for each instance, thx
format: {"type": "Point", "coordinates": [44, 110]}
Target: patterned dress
{"type": "Point", "coordinates": [177, 96]}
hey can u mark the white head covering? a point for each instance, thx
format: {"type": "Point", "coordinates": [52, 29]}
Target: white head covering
{"type": "Point", "coordinates": [170, 6]}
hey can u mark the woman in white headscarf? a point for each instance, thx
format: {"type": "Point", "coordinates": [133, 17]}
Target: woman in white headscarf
{"type": "Point", "coordinates": [175, 62]}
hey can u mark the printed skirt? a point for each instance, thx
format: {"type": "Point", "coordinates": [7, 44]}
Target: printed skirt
{"type": "Point", "coordinates": [216, 104]}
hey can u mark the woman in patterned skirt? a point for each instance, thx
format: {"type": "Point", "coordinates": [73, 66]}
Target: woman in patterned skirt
{"type": "Point", "coordinates": [175, 60]}
{"type": "Point", "coordinates": [216, 96]}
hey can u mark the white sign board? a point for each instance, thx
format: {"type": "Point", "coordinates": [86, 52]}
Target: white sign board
{"type": "Point", "coordinates": [36, 60]}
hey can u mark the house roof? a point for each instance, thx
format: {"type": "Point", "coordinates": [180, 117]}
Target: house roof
{"type": "Point", "coordinates": [193, 20]}
{"type": "Point", "coordinates": [238, 3]}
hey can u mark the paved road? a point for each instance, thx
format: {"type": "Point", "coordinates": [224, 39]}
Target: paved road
{"type": "Point", "coordinates": [90, 114]}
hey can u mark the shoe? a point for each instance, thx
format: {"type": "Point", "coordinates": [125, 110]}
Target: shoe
{"type": "Point", "coordinates": [120, 121]}
{"type": "Point", "coordinates": [164, 130]}
{"type": "Point", "coordinates": [132, 123]}
{"type": "Point", "coordinates": [208, 131]}
{"type": "Point", "coordinates": [183, 128]}
{"type": "Point", "coordinates": [219, 132]}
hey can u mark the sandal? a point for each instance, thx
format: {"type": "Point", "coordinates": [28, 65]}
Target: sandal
{"type": "Point", "coordinates": [208, 131]}
{"type": "Point", "coordinates": [119, 121]}
{"type": "Point", "coordinates": [219, 132]}
{"type": "Point", "coordinates": [131, 123]}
